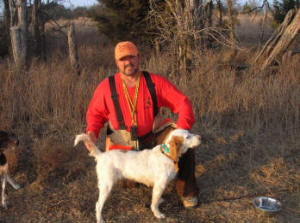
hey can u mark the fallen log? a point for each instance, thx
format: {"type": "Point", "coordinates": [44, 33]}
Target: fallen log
{"type": "Point", "coordinates": [279, 42]}
{"type": "Point", "coordinates": [269, 45]}
{"type": "Point", "coordinates": [284, 42]}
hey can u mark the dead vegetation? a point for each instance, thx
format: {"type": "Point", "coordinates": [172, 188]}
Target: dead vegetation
{"type": "Point", "coordinates": [250, 123]}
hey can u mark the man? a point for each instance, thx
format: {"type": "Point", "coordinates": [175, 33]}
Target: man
{"type": "Point", "coordinates": [130, 101]}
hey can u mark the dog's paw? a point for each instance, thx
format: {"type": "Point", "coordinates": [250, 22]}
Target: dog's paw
{"type": "Point", "coordinates": [5, 205]}
{"type": "Point", "coordinates": [17, 186]}
{"type": "Point", "coordinates": [100, 220]}
{"type": "Point", "coordinates": [155, 210]}
{"type": "Point", "coordinates": [159, 215]}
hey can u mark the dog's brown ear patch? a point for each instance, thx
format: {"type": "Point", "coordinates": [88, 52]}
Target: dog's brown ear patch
{"type": "Point", "coordinates": [175, 145]}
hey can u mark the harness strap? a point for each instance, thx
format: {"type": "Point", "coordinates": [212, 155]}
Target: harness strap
{"type": "Point", "coordinates": [152, 91]}
{"type": "Point", "coordinates": [147, 135]}
{"type": "Point", "coordinates": [115, 99]}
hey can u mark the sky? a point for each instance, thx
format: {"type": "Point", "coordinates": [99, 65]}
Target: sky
{"type": "Point", "coordinates": [86, 3]}
{"type": "Point", "coordinates": [67, 3]}
{"type": "Point", "coordinates": [77, 3]}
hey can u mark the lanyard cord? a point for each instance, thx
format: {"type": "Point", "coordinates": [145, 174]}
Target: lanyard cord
{"type": "Point", "coordinates": [132, 105]}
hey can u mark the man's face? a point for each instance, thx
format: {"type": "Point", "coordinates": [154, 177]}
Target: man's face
{"type": "Point", "coordinates": [128, 65]}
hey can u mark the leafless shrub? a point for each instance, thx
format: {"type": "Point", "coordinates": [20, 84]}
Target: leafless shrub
{"type": "Point", "coordinates": [184, 25]}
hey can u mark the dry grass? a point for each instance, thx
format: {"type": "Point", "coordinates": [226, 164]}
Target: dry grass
{"type": "Point", "coordinates": [249, 28]}
{"type": "Point", "coordinates": [249, 122]}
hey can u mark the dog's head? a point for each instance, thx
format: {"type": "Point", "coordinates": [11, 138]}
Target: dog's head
{"type": "Point", "coordinates": [7, 141]}
{"type": "Point", "coordinates": [178, 142]}
{"type": "Point", "coordinates": [183, 140]}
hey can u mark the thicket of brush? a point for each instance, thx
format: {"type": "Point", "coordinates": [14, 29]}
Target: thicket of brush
{"type": "Point", "coordinates": [249, 122]}
{"type": "Point", "coordinates": [50, 98]}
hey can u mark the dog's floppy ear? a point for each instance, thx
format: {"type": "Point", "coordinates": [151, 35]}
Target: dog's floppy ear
{"type": "Point", "coordinates": [175, 145]}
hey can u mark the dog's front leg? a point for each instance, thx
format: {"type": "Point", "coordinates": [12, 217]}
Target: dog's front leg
{"type": "Point", "coordinates": [158, 190]}
{"type": "Point", "coordinates": [3, 201]}
{"type": "Point", "coordinates": [13, 184]}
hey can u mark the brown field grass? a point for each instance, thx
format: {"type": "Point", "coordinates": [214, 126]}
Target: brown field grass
{"type": "Point", "coordinates": [249, 28]}
{"type": "Point", "coordinates": [250, 123]}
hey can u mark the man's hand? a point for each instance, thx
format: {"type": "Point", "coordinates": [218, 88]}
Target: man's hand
{"type": "Point", "coordinates": [92, 136]}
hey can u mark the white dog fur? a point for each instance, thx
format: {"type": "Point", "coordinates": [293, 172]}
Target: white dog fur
{"type": "Point", "coordinates": [7, 141]}
{"type": "Point", "coordinates": [6, 178]}
{"type": "Point", "coordinates": [153, 167]}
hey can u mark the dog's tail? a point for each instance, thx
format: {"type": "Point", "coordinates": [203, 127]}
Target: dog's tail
{"type": "Point", "coordinates": [85, 138]}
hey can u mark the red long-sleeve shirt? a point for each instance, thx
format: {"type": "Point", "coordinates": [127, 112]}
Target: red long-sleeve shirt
{"type": "Point", "coordinates": [101, 108]}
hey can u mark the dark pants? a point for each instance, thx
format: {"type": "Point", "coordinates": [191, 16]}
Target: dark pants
{"type": "Point", "coordinates": [186, 185]}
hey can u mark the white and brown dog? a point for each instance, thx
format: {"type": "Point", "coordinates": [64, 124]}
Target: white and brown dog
{"type": "Point", "coordinates": [7, 141]}
{"type": "Point", "coordinates": [153, 167]}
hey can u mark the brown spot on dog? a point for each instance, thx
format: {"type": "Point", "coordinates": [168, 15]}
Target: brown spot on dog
{"type": "Point", "coordinates": [174, 146]}
{"type": "Point", "coordinates": [163, 135]}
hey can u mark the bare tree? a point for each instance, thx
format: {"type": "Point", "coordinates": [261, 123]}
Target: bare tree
{"type": "Point", "coordinates": [209, 11]}
{"type": "Point", "coordinates": [73, 54]}
{"type": "Point", "coordinates": [279, 42]}
{"type": "Point", "coordinates": [6, 16]}
{"type": "Point", "coordinates": [266, 8]}
{"type": "Point", "coordinates": [180, 27]}
{"type": "Point", "coordinates": [185, 27]}
{"type": "Point", "coordinates": [35, 27]}
{"type": "Point", "coordinates": [231, 22]}
{"type": "Point", "coordinates": [284, 40]}
{"type": "Point", "coordinates": [220, 10]}
{"type": "Point", "coordinates": [18, 31]}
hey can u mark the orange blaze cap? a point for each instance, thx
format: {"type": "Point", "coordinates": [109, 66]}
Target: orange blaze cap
{"type": "Point", "coordinates": [124, 49]}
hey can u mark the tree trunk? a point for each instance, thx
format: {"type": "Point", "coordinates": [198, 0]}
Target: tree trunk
{"type": "Point", "coordinates": [35, 29]}
{"type": "Point", "coordinates": [13, 13]}
{"type": "Point", "coordinates": [270, 44]}
{"type": "Point", "coordinates": [19, 34]}
{"type": "Point", "coordinates": [285, 40]}
{"type": "Point", "coordinates": [264, 21]}
{"type": "Point", "coordinates": [209, 10]}
{"type": "Point", "coordinates": [22, 16]}
{"type": "Point", "coordinates": [231, 23]}
{"type": "Point", "coordinates": [43, 39]}
{"type": "Point", "coordinates": [18, 47]}
{"type": "Point", "coordinates": [73, 55]}
{"type": "Point", "coordinates": [220, 12]}
{"type": "Point", "coordinates": [6, 16]}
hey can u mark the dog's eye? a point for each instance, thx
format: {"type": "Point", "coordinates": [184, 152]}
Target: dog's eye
{"type": "Point", "coordinates": [188, 136]}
